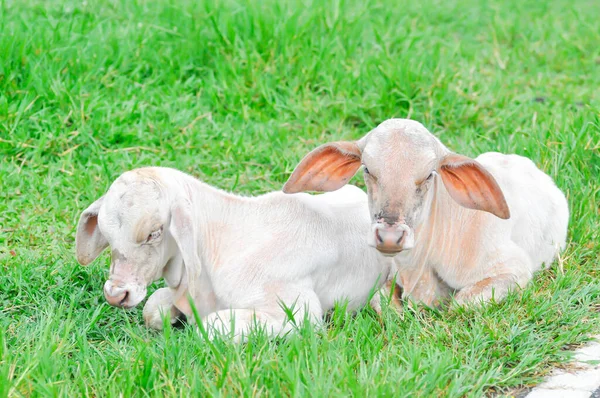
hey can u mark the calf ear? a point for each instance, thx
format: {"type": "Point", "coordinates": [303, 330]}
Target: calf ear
{"type": "Point", "coordinates": [327, 168]}
{"type": "Point", "coordinates": [185, 233]}
{"type": "Point", "coordinates": [89, 241]}
{"type": "Point", "coordinates": [472, 186]}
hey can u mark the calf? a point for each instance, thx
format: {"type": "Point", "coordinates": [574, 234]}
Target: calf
{"type": "Point", "coordinates": [241, 260]}
{"type": "Point", "coordinates": [476, 226]}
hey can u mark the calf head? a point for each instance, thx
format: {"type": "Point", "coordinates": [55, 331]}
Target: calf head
{"type": "Point", "coordinates": [401, 160]}
{"type": "Point", "coordinates": [149, 230]}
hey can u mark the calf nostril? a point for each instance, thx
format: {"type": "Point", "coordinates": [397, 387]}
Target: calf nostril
{"type": "Point", "coordinates": [379, 238]}
{"type": "Point", "coordinates": [400, 239]}
{"type": "Point", "coordinates": [124, 299]}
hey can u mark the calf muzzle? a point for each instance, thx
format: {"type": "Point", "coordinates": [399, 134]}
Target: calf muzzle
{"type": "Point", "coordinates": [389, 239]}
{"type": "Point", "coordinates": [116, 296]}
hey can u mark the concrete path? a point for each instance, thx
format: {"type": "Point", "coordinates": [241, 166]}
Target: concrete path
{"type": "Point", "coordinates": [580, 381]}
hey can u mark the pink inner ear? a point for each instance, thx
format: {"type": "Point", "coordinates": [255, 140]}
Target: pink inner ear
{"type": "Point", "coordinates": [91, 224]}
{"type": "Point", "coordinates": [327, 168]}
{"type": "Point", "coordinates": [472, 186]}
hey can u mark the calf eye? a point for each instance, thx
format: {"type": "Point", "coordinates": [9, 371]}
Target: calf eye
{"type": "Point", "coordinates": [365, 169]}
{"type": "Point", "coordinates": [423, 183]}
{"type": "Point", "coordinates": [154, 235]}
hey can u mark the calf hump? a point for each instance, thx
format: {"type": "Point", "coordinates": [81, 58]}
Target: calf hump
{"type": "Point", "coordinates": [148, 172]}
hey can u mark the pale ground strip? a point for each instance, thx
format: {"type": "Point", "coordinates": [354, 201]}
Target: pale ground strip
{"type": "Point", "coordinates": [580, 381]}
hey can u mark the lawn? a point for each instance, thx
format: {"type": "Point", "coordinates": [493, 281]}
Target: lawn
{"type": "Point", "coordinates": [235, 92]}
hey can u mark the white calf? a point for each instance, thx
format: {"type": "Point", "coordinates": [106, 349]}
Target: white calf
{"type": "Point", "coordinates": [240, 259]}
{"type": "Point", "coordinates": [479, 227]}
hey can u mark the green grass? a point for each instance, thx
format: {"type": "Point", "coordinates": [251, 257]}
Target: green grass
{"type": "Point", "coordinates": [235, 93]}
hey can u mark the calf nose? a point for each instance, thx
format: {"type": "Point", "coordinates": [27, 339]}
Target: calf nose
{"type": "Point", "coordinates": [116, 296]}
{"type": "Point", "coordinates": [389, 239]}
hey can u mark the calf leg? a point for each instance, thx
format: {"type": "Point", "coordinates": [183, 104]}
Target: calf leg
{"type": "Point", "coordinates": [274, 317]}
{"type": "Point", "coordinates": [416, 285]}
{"type": "Point", "coordinates": [238, 323]}
{"type": "Point", "coordinates": [389, 290]}
{"type": "Point", "coordinates": [496, 287]}
{"type": "Point", "coordinates": [510, 274]}
{"type": "Point", "coordinates": [423, 286]}
{"type": "Point", "coordinates": [159, 305]}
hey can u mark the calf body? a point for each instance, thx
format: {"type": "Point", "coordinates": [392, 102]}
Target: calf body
{"type": "Point", "coordinates": [241, 260]}
{"type": "Point", "coordinates": [478, 254]}
{"type": "Point", "coordinates": [478, 227]}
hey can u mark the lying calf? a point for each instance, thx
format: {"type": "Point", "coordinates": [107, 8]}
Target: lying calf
{"type": "Point", "coordinates": [479, 227]}
{"type": "Point", "coordinates": [240, 259]}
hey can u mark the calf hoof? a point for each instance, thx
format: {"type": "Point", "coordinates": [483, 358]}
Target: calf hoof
{"type": "Point", "coordinates": [154, 319]}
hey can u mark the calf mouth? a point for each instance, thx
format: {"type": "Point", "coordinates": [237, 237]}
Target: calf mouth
{"type": "Point", "coordinates": [389, 252]}
{"type": "Point", "coordinates": [123, 295]}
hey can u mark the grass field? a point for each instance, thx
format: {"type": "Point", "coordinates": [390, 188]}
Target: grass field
{"type": "Point", "coordinates": [235, 93]}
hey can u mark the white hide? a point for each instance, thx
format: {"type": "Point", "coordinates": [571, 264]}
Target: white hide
{"type": "Point", "coordinates": [249, 255]}
{"type": "Point", "coordinates": [463, 248]}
